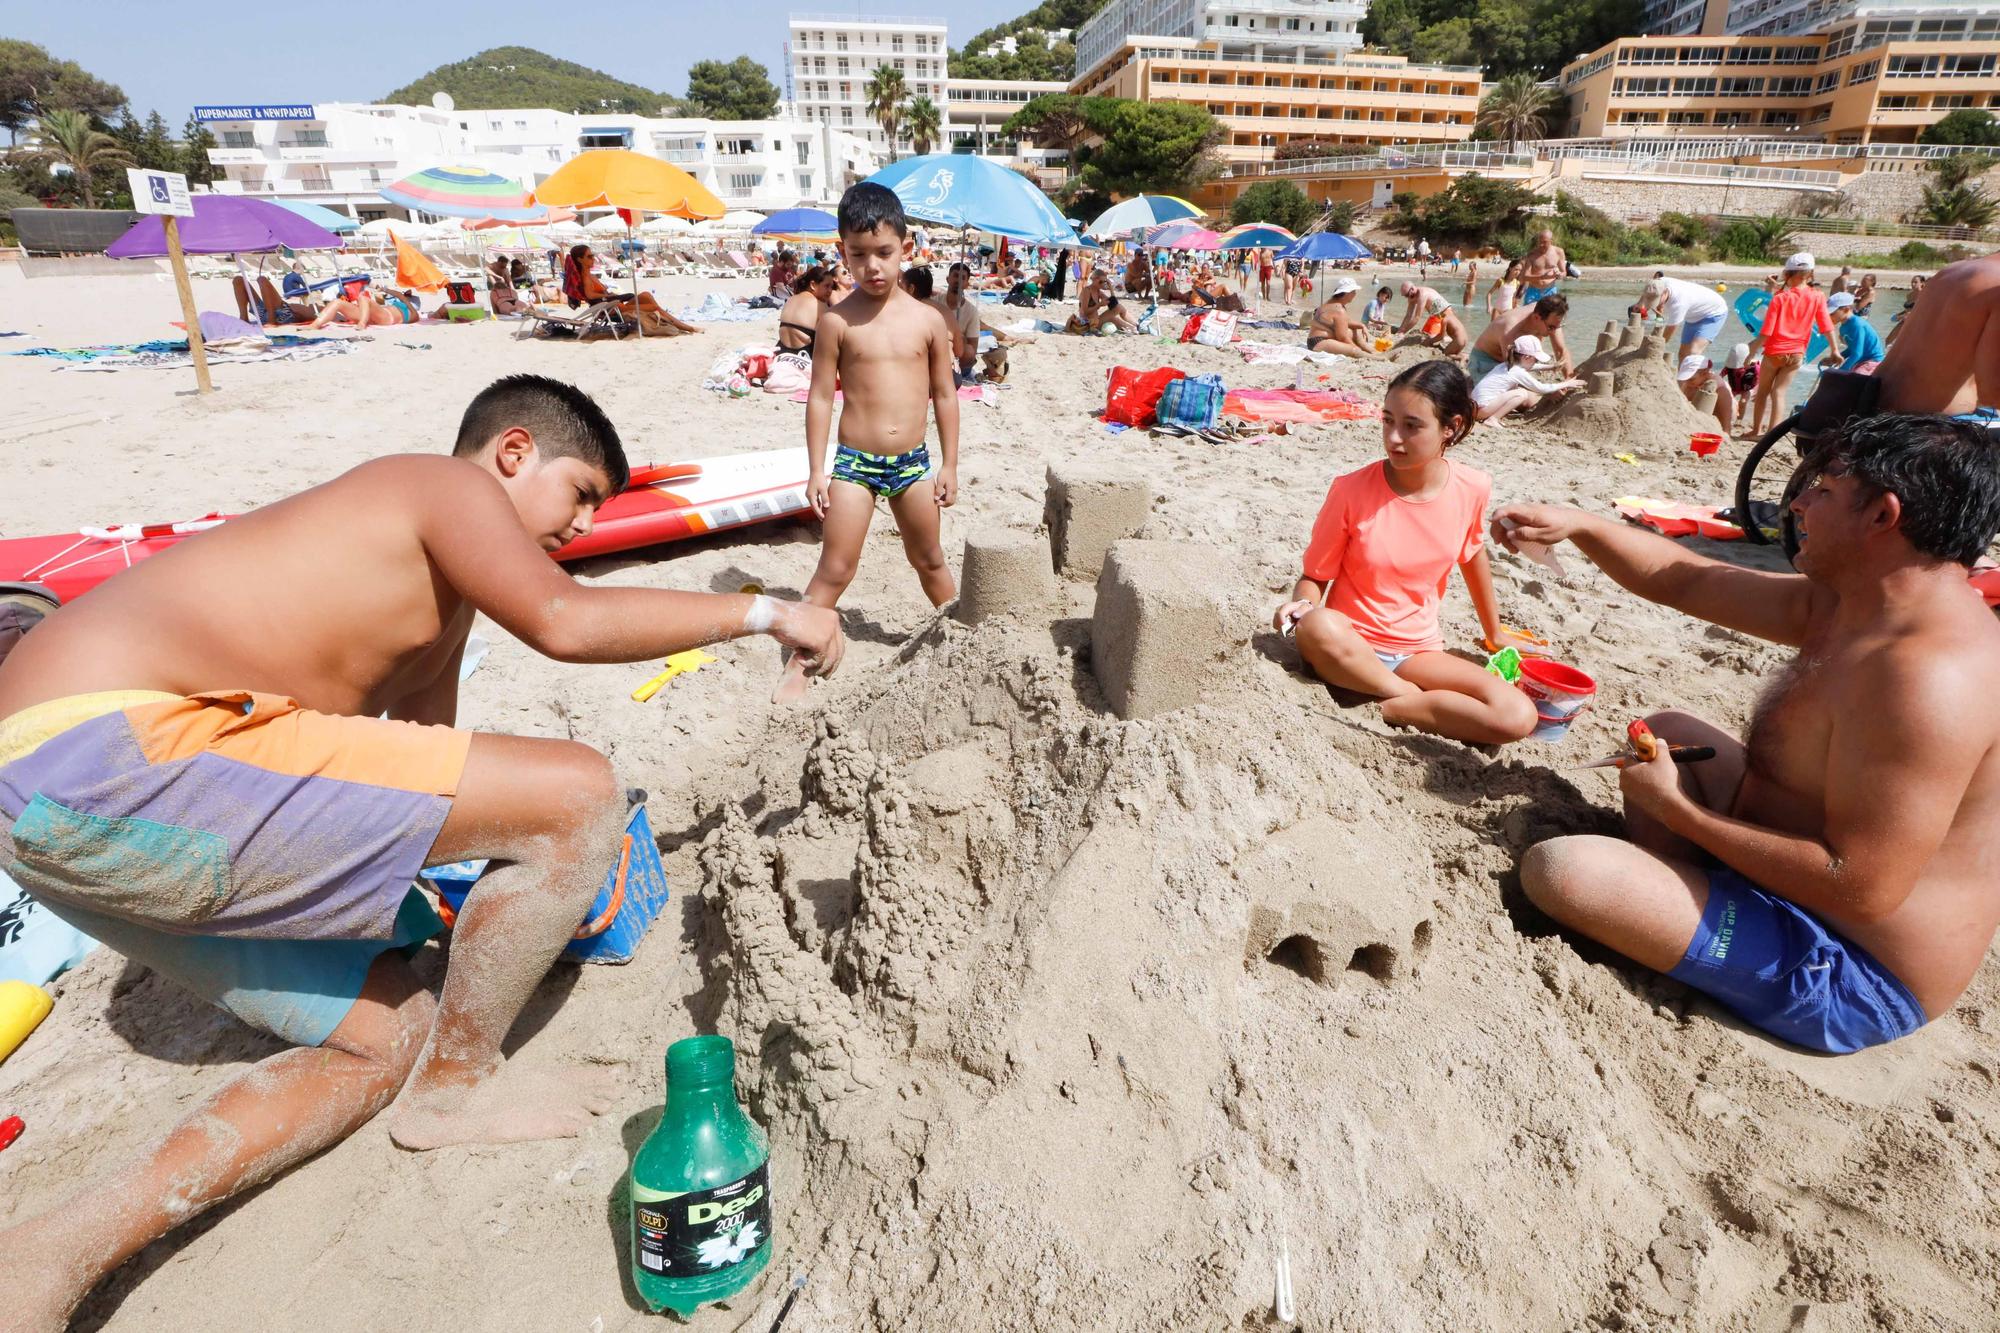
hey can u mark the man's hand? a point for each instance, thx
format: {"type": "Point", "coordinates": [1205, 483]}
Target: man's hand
{"type": "Point", "coordinates": [813, 633]}
{"type": "Point", "coordinates": [1544, 524]}
{"type": "Point", "coordinates": [944, 486]}
{"type": "Point", "coordinates": [1652, 787]}
{"type": "Point", "coordinates": [816, 493]}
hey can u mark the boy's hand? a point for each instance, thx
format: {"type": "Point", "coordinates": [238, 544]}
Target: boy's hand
{"type": "Point", "coordinates": [1290, 614]}
{"type": "Point", "coordinates": [944, 487]}
{"type": "Point", "coordinates": [813, 633]}
{"type": "Point", "coordinates": [816, 493]}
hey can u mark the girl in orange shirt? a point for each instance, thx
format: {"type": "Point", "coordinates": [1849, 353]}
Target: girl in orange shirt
{"type": "Point", "coordinates": [1366, 607]}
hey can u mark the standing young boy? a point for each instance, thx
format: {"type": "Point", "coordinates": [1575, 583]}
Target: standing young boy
{"type": "Point", "coordinates": [195, 767]}
{"type": "Point", "coordinates": [892, 357]}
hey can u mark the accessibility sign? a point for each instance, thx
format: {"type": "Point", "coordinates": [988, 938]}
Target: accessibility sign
{"type": "Point", "coordinates": [160, 192]}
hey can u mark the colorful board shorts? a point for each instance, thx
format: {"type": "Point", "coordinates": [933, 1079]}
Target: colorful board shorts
{"type": "Point", "coordinates": [1705, 328]}
{"type": "Point", "coordinates": [886, 475]}
{"type": "Point", "coordinates": [1530, 295]}
{"type": "Point", "coordinates": [257, 853]}
{"type": "Point", "coordinates": [1779, 968]}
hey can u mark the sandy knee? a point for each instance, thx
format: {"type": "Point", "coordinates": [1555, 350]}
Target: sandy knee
{"type": "Point", "coordinates": [1559, 873]}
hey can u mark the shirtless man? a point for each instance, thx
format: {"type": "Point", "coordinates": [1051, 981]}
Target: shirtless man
{"type": "Point", "coordinates": [1944, 355]}
{"type": "Point", "coordinates": [1334, 329]}
{"type": "Point", "coordinates": [194, 769]}
{"type": "Point", "coordinates": [1543, 268]}
{"type": "Point", "coordinates": [1543, 319]}
{"type": "Point", "coordinates": [1426, 303]}
{"type": "Point", "coordinates": [1830, 878]}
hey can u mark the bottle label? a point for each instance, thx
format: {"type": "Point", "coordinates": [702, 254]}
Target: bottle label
{"type": "Point", "coordinates": [702, 1231]}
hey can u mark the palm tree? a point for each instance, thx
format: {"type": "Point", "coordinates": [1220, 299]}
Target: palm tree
{"type": "Point", "coordinates": [1956, 206]}
{"type": "Point", "coordinates": [68, 139]}
{"type": "Point", "coordinates": [885, 92]}
{"type": "Point", "coordinates": [1518, 108]}
{"type": "Point", "coordinates": [925, 123]}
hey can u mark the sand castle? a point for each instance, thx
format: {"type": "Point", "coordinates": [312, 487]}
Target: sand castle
{"type": "Point", "coordinates": [1632, 396]}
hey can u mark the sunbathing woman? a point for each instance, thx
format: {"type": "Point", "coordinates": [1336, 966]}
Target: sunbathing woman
{"type": "Point", "coordinates": [1366, 607]}
{"type": "Point", "coordinates": [365, 311]}
{"type": "Point", "coordinates": [582, 286]}
{"type": "Point", "coordinates": [500, 291]}
{"type": "Point", "coordinates": [798, 322]}
{"type": "Point", "coordinates": [277, 310]}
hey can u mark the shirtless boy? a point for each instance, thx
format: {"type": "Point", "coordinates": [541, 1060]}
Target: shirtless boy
{"type": "Point", "coordinates": [1543, 319]}
{"type": "Point", "coordinates": [892, 357]}
{"type": "Point", "coordinates": [194, 769]}
{"type": "Point", "coordinates": [1830, 877]}
{"type": "Point", "coordinates": [1334, 328]}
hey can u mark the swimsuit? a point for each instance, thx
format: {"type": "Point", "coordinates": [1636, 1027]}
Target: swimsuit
{"type": "Point", "coordinates": [1530, 295]}
{"type": "Point", "coordinates": [1781, 969]}
{"type": "Point", "coordinates": [402, 308]}
{"type": "Point", "coordinates": [805, 349]}
{"type": "Point", "coordinates": [1479, 363]}
{"type": "Point", "coordinates": [886, 475]}
{"type": "Point", "coordinates": [260, 854]}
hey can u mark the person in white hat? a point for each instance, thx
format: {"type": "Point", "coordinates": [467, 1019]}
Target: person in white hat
{"type": "Point", "coordinates": [1860, 348]}
{"type": "Point", "coordinates": [1796, 312]}
{"type": "Point", "coordinates": [1696, 312]}
{"type": "Point", "coordinates": [1335, 329]}
{"type": "Point", "coordinates": [1506, 388]}
{"type": "Point", "coordinates": [1697, 374]}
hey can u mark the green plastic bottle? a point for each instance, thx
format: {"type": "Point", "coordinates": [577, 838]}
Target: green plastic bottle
{"type": "Point", "coordinates": [700, 1186]}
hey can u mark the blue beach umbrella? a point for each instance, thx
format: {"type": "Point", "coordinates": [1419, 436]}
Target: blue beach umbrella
{"type": "Point", "coordinates": [797, 222]}
{"type": "Point", "coordinates": [1325, 245]}
{"type": "Point", "coordinates": [960, 190]}
{"type": "Point", "coordinates": [325, 217]}
{"type": "Point", "coordinates": [1141, 211]}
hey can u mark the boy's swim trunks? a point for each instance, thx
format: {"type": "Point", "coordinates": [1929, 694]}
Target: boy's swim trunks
{"type": "Point", "coordinates": [1781, 969]}
{"type": "Point", "coordinates": [887, 475]}
{"type": "Point", "coordinates": [258, 853]}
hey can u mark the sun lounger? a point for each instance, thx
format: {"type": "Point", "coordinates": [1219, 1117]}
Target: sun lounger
{"type": "Point", "coordinates": [602, 316]}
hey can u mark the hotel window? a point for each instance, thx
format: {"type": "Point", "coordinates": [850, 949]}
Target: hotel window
{"type": "Point", "coordinates": [842, 63]}
{"type": "Point", "coordinates": [805, 182]}
{"type": "Point", "coordinates": [1748, 55]}
{"type": "Point", "coordinates": [1741, 88]}
{"type": "Point", "coordinates": [1951, 101]}
{"type": "Point", "coordinates": [840, 41]}
{"type": "Point", "coordinates": [744, 181]}
{"type": "Point", "coordinates": [1798, 87]}
{"type": "Point", "coordinates": [1863, 72]}
{"type": "Point", "coordinates": [238, 139]}
{"type": "Point", "coordinates": [1694, 87]}
{"type": "Point", "coordinates": [896, 42]}
{"type": "Point", "coordinates": [805, 151]}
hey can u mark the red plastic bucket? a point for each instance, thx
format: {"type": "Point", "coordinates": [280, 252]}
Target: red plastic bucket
{"type": "Point", "coordinates": [1560, 693]}
{"type": "Point", "coordinates": [1704, 444]}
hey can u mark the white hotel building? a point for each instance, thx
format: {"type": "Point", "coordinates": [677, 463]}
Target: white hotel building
{"type": "Point", "coordinates": [829, 58]}
{"type": "Point", "coordinates": [1245, 29]}
{"type": "Point", "coordinates": [341, 154]}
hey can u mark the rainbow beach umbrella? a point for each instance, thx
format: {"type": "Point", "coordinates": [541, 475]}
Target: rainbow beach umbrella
{"type": "Point", "coordinates": [1140, 212]}
{"type": "Point", "coordinates": [465, 192]}
{"type": "Point", "coordinates": [1257, 236]}
{"type": "Point", "coordinates": [1183, 236]}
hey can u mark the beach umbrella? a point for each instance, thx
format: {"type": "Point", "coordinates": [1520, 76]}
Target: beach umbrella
{"type": "Point", "coordinates": [1257, 236]}
{"type": "Point", "coordinates": [1325, 245]}
{"type": "Point", "coordinates": [961, 190]}
{"type": "Point", "coordinates": [796, 222]}
{"type": "Point", "coordinates": [543, 217]}
{"type": "Point", "coordinates": [462, 192]}
{"type": "Point", "coordinates": [739, 219]}
{"type": "Point", "coordinates": [608, 225]}
{"type": "Point", "coordinates": [514, 238]}
{"type": "Point", "coordinates": [1183, 236]}
{"type": "Point", "coordinates": [413, 269]}
{"type": "Point", "coordinates": [325, 217]}
{"type": "Point", "coordinates": [226, 224]}
{"type": "Point", "coordinates": [666, 224]}
{"type": "Point", "coordinates": [620, 178]}
{"type": "Point", "coordinates": [1142, 211]}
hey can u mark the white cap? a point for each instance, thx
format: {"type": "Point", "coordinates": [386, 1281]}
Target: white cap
{"type": "Point", "coordinates": [1739, 356]}
{"type": "Point", "coordinates": [1692, 366]}
{"type": "Point", "coordinates": [1343, 286]}
{"type": "Point", "coordinates": [1529, 345]}
{"type": "Point", "coordinates": [1839, 301]}
{"type": "Point", "coordinates": [1802, 262]}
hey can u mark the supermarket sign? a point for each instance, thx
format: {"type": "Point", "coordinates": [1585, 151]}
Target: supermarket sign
{"type": "Point", "coordinates": [287, 111]}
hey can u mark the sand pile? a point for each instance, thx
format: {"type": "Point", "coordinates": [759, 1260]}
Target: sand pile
{"type": "Point", "coordinates": [1068, 1022]}
{"type": "Point", "coordinates": [1641, 406]}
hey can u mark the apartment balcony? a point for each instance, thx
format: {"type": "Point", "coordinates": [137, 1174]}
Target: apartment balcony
{"type": "Point", "coordinates": [1291, 9]}
{"type": "Point", "coordinates": [323, 153]}
{"type": "Point", "coordinates": [235, 157]}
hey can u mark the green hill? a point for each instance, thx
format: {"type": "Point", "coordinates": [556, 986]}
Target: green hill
{"type": "Point", "coordinates": [1036, 59]}
{"type": "Point", "coordinates": [516, 76]}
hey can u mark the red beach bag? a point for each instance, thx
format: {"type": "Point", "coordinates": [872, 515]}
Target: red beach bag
{"type": "Point", "coordinates": [1135, 394]}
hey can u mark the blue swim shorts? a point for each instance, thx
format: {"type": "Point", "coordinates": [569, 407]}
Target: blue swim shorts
{"type": "Point", "coordinates": [1779, 968]}
{"type": "Point", "coordinates": [1479, 365]}
{"type": "Point", "coordinates": [1530, 295]}
{"type": "Point", "coordinates": [1980, 416]}
{"type": "Point", "coordinates": [1706, 328]}
{"type": "Point", "coordinates": [886, 475]}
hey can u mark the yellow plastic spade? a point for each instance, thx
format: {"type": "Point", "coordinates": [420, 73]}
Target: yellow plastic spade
{"type": "Point", "coordinates": [694, 659]}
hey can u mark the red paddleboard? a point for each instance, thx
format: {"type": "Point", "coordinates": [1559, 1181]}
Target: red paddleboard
{"type": "Point", "coordinates": [662, 503]}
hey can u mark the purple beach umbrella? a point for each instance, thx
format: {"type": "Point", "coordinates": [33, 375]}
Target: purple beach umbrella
{"type": "Point", "coordinates": [226, 224]}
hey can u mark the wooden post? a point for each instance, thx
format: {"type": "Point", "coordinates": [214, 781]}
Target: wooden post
{"type": "Point", "coordinates": [171, 225]}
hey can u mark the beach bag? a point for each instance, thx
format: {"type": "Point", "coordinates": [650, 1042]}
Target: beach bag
{"type": "Point", "coordinates": [1193, 326]}
{"type": "Point", "coordinates": [1218, 329]}
{"type": "Point", "coordinates": [1134, 395]}
{"type": "Point", "coordinates": [1193, 402]}
{"type": "Point", "coordinates": [459, 293]}
{"type": "Point", "coordinates": [790, 372]}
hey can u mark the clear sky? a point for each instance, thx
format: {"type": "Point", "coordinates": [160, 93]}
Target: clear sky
{"type": "Point", "coordinates": [170, 57]}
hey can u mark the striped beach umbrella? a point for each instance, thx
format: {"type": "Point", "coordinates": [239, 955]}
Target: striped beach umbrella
{"type": "Point", "coordinates": [1142, 211]}
{"type": "Point", "coordinates": [1257, 236]}
{"type": "Point", "coordinates": [464, 192]}
{"type": "Point", "coordinates": [1183, 236]}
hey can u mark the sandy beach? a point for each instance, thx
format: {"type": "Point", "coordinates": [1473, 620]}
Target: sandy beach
{"type": "Point", "coordinates": [998, 964]}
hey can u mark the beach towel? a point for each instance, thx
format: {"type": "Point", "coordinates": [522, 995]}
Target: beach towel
{"type": "Point", "coordinates": [1677, 520]}
{"type": "Point", "coordinates": [1284, 354]}
{"type": "Point", "coordinates": [36, 946]}
{"type": "Point", "coordinates": [715, 308]}
{"type": "Point", "coordinates": [1303, 406]}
